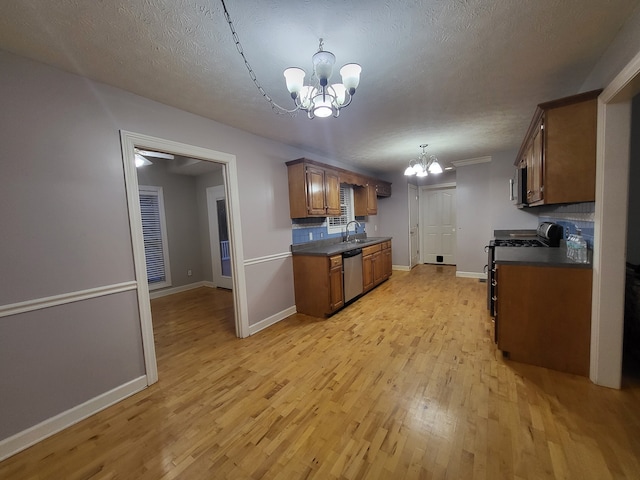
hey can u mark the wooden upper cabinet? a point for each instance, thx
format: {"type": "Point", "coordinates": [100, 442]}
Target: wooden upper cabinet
{"type": "Point", "coordinates": [316, 204]}
{"type": "Point", "coordinates": [383, 189]}
{"type": "Point", "coordinates": [332, 193]}
{"type": "Point", "coordinates": [365, 200]}
{"type": "Point", "coordinates": [559, 151]}
{"type": "Point", "coordinates": [314, 191]}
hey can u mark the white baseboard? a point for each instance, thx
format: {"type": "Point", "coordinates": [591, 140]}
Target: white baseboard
{"type": "Point", "coordinates": [26, 438]}
{"type": "Point", "coordinates": [267, 322]}
{"type": "Point", "coordinates": [401, 268]}
{"type": "Point", "coordinates": [183, 288]}
{"type": "Point", "coordinates": [471, 275]}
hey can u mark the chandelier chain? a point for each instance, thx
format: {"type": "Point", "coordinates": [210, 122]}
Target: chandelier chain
{"type": "Point", "coordinates": [277, 108]}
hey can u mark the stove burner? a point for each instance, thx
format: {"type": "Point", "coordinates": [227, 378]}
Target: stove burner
{"type": "Point", "coordinates": [519, 242]}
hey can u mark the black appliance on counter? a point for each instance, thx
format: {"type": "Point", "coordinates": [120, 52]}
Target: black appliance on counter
{"type": "Point", "coordinates": [547, 234]}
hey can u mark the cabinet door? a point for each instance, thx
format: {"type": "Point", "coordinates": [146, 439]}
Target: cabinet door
{"type": "Point", "coordinates": [372, 199]}
{"type": "Point", "coordinates": [315, 191]}
{"type": "Point", "coordinates": [535, 166]}
{"type": "Point", "coordinates": [386, 262]}
{"type": "Point", "coordinates": [332, 193]}
{"type": "Point", "coordinates": [365, 200]}
{"type": "Point", "coordinates": [378, 268]}
{"type": "Point", "coordinates": [367, 272]}
{"type": "Point", "coordinates": [336, 288]}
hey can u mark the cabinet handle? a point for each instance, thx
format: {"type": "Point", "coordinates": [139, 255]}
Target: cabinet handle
{"type": "Point", "coordinates": [494, 298]}
{"type": "Point", "coordinates": [494, 283]}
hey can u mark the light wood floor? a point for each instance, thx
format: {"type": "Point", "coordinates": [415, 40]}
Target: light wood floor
{"type": "Point", "coordinates": [404, 383]}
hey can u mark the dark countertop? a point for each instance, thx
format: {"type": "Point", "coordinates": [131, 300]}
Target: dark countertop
{"type": "Point", "coordinates": [539, 256]}
{"type": "Point", "coordinates": [325, 249]}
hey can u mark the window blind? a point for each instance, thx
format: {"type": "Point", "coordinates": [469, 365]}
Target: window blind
{"type": "Point", "coordinates": [152, 231]}
{"type": "Point", "coordinates": [346, 209]}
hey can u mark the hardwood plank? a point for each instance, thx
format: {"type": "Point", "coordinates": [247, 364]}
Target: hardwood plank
{"type": "Point", "coordinates": [404, 383]}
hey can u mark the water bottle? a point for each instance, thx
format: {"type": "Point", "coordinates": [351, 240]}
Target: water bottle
{"type": "Point", "coordinates": [571, 246]}
{"type": "Point", "coordinates": [581, 249]}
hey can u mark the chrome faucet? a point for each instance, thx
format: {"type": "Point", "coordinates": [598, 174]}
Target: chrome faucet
{"type": "Point", "coordinates": [346, 229]}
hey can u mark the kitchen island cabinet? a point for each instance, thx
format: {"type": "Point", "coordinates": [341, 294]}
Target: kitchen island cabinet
{"type": "Point", "coordinates": [559, 151]}
{"type": "Point", "coordinates": [543, 315]}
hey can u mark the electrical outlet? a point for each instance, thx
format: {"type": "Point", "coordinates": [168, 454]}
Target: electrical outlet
{"type": "Point", "coordinates": [189, 273]}
{"type": "Point", "coordinates": [310, 235]}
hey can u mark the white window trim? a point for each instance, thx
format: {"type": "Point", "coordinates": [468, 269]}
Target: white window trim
{"type": "Point", "coordinates": [158, 192]}
{"type": "Point", "coordinates": [331, 229]}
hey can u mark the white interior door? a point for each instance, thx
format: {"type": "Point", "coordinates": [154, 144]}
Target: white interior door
{"type": "Point", "coordinates": [438, 223]}
{"type": "Point", "coordinates": [414, 231]}
{"type": "Point", "coordinates": [219, 238]}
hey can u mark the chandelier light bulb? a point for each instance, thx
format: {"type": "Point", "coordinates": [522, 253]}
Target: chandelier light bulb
{"type": "Point", "coordinates": [295, 80]}
{"type": "Point", "coordinates": [351, 76]}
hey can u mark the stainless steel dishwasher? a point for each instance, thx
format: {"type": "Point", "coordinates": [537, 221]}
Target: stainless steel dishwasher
{"type": "Point", "coordinates": [352, 276]}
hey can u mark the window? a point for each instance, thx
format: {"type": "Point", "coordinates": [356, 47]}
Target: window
{"type": "Point", "coordinates": [154, 232]}
{"type": "Point", "coordinates": [337, 224]}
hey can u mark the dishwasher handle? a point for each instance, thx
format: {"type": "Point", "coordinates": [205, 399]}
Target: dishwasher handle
{"type": "Point", "coordinates": [352, 253]}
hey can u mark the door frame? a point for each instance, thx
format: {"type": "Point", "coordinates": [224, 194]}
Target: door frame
{"type": "Point", "coordinates": [610, 220]}
{"type": "Point", "coordinates": [414, 190]}
{"type": "Point", "coordinates": [132, 140]}
{"type": "Point", "coordinates": [214, 237]}
{"type": "Point", "coordinates": [436, 186]}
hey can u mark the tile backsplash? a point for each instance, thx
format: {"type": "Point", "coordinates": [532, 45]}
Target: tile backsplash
{"type": "Point", "coordinates": [304, 230]}
{"type": "Point", "coordinates": [572, 217]}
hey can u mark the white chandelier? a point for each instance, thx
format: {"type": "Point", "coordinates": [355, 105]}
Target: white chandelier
{"type": "Point", "coordinates": [320, 99]}
{"type": "Point", "coordinates": [424, 165]}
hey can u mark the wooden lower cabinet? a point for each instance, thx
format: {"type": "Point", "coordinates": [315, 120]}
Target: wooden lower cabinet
{"type": "Point", "coordinates": [376, 264]}
{"type": "Point", "coordinates": [318, 284]}
{"type": "Point", "coordinates": [544, 316]}
{"type": "Point", "coordinates": [318, 280]}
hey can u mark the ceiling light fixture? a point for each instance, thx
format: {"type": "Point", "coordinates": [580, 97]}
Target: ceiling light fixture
{"type": "Point", "coordinates": [424, 165]}
{"type": "Point", "coordinates": [320, 99]}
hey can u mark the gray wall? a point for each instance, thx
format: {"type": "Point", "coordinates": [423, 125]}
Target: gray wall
{"type": "Point", "coordinates": [393, 219]}
{"type": "Point", "coordinates": [473, 197]}
{"type": "Point", "coordinates": [65, 229]}
{"type": "Point", "coordinates": [181, 213]}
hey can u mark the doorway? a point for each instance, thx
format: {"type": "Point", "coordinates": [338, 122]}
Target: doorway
{"type": "Point", "coordinates": [438, 224]}
{"type": "Point", "coordinates": [611, 208]}
{"type": "Point", "coordinates": [219, 237]}
{"type": "Point", "coordinates": [130, 142]}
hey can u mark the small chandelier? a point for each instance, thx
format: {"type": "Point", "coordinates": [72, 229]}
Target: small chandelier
{"type": "Point", "coordinates": [321, 99]}
{"type": "Point", "coordinates": [424, 165]}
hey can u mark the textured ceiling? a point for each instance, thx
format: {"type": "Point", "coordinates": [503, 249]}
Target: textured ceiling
{"type": "Point", "coordinates": [463, 76]}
